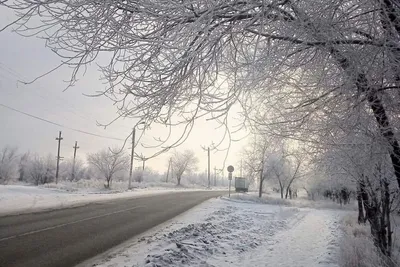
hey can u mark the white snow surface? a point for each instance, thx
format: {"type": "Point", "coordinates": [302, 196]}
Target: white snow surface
{"type": "Point", "coordinates": [17, 199]}
{"type": "Point", "coordinates": [234, 232]}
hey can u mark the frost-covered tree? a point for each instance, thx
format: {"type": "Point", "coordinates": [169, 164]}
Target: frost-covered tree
{"type": "Point", "coordinates": [357, 160]}
{"type": "Point", "coordinates": [72, 172]}
{"type": "Point", "coordinates": [254, 156]}
{"type": "Point", "coordinates": [295, 68]}
{"type": "Point", "coordinates": [8, 163]}
{"type": "Point", "coordinates": [23, 164]}
{"type": "Point", "coordinates": [263, 159]}
{"type": "Point", "coordinates": [171, 62]}
{"type": "Point", "coordinates": [183, 162]}
{"type": "Point", "coordinates": [109, 163]}
{"type": "Point", "coordinates": [283, 169]}
{"type": "Point", "coordinates": [42, 169]}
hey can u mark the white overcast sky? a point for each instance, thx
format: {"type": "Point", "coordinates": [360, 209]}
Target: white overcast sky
{"type": "Point", "coordinates": [24, 58]}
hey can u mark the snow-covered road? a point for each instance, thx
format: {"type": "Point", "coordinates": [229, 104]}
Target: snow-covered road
{"type": "Point", "coordinates": [227, 232]}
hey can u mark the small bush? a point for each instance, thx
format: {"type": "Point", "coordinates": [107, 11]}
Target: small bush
{"type": "Point", "coordinates": [357, 247]}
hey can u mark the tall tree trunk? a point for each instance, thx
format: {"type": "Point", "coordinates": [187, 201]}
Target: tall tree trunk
{"type": "Point", "coordinates": [361, 217]}
{"type": "Point", "coordinates": [386, 214]}
{"type": "Point", "coordinates": [377, 108]}
{"type": "Point", "coordinates": [373, 212]}
{"type": "Point", "coordinates": [281, 187]}
{"type": "Point", "coordinates": [382, 215]}
{"type": "Point", "coordinates": [288, 192]}
{"type": "Point", "coordinates": [390, 19]}
{"type": "Point", "coordinates": [288, 188]}
{"type": "Point", "coordinates": [21, 174]}
{"type": "Point", "coordinates": [375, 226]}
{"type": "Point", "coordinates": [261, 184]}
{"type": "Point", "coordinates": [364, 197]}
{"type": "Point", "coordinates": [386, 130]}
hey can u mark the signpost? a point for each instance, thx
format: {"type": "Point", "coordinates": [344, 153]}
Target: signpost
{"type": "Point", "coordinates": [230, 170]}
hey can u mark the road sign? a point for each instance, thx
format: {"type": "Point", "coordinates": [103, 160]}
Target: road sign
{"type": "Point", "coordinates": [230, 169]}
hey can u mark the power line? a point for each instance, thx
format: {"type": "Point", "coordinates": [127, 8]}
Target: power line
{"type": "Point", "coordinates": [62, 101]}
{"type": "Point", "coordinates": [42, 107]}
{"type": "Point", "coordinates": [60, 125]}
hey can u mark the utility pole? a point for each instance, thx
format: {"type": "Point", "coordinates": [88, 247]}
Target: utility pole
{"type": "Point", "coordinates": [132, 154]}
{"type": "Point", "coordinates": [209, 179]}
{"type": "Point", "coordinates": [169, 166]}
{"type": "Point", "coordinates": [73, 163]}
{"type": "Point", "coordinates": [143, 158]}
{"type": "Point", "coordinates": [172, 169]}
{"type": "Point", "coordinates": [215, 176]}
{"type": "Point", "coordinates": [241, 168]}
{"type": "Point", "coordinates": [58, 155]}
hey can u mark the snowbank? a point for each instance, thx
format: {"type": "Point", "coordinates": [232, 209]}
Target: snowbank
{"type": "Point", "coordinates": [301, 202]}
{"type": "Point", "coordinates": [16, 199]}
{"type": "Point", "coordinates": [97, 186]}
{"type": "Point", "coordinates": [232, 232]}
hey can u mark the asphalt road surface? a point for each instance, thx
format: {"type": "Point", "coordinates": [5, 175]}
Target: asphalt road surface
{"type": "Point", "coordinates": [69, 236]}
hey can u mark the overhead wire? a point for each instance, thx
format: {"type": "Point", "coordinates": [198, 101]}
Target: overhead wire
{"type": "Point", "coordinates": [60, 125]}
{"type": "Point", "coordinates": [14, 94]}
{"type": "Point", "coordinates": [62, 101]}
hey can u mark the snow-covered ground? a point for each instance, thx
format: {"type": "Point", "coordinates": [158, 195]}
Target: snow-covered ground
{"type": "Point", "coordinates": [273, 198]}
{"type": "Point", "coordinates": [16, 199]}
{"type": "Point", "coordinates": [235, 232]}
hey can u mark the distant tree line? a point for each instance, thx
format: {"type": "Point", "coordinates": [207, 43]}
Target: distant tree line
{"type": "Point", "coordinates": [107, 164]}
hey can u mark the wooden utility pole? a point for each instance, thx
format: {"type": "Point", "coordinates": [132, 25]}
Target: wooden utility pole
{"type": "Point", "coordinates": [58, 155]}
{"type": "Point", "coordinates": [241, 168]}
{"type": "Point", "coordinates": [169, 166]}
{"type": "Point", "coordinates": [215, 176]}
{"type": "Point", "coordinates": [172, 169]}
{"type": "Point", "coordinates": [132, 155]}
{"type": "Point", "coordinates": [209, 178]}
{"type": "Point", "coordinates": [73, 163]}
{"type": "Point", "coordinates": [260, 190]}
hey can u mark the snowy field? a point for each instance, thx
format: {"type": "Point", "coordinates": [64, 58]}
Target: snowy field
{"type": "Point", "coordinates": [235, 232]}
{"type": "Point", "coordinates": [17, 199]}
